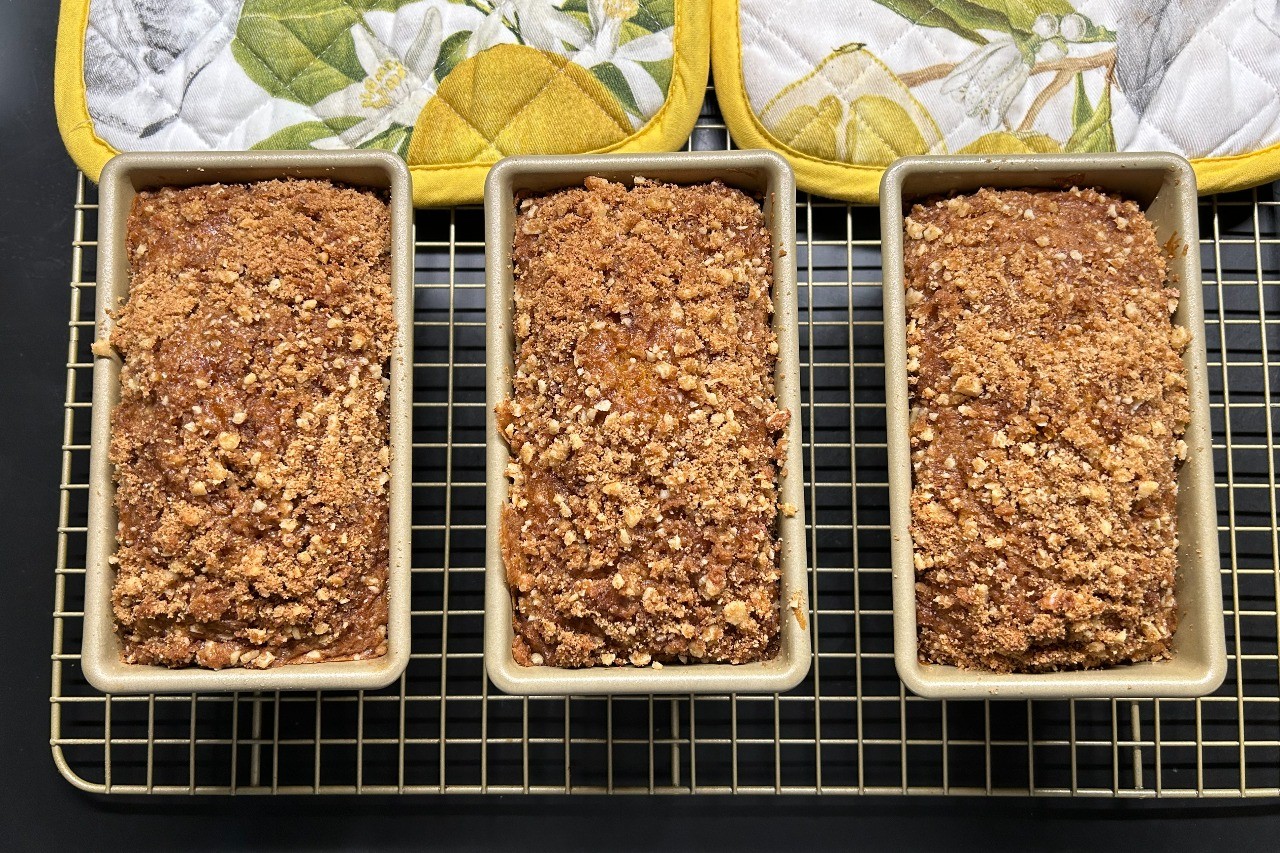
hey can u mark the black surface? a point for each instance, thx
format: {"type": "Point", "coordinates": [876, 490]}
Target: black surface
{"type": "Point", "coordinates": [39, 810]}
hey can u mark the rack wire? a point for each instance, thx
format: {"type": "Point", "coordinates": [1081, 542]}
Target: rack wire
{"type": "Point", "coordinates": [850, 728]}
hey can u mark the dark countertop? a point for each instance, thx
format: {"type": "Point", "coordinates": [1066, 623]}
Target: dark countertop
{"type": "Point", "coordinates": [42, 811]}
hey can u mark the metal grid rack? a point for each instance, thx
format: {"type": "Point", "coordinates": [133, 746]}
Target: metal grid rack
{"type": "Point", "coordinates": [850, 728]}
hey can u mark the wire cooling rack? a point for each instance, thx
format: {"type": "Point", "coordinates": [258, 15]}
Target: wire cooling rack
{"type": "Point", "coordinates": [849, 728]}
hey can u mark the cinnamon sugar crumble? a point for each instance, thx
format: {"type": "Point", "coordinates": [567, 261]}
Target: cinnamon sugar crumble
{"type": "Point", "coordinates": [1048, 403]}
{"type": "Point", "coordinates": [645, 435]}
{"type": "Point", "coordinates": [251, 438]}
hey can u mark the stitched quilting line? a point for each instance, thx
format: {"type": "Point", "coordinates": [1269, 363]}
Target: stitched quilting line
{"type": "Point", "coordinates": [761, 23]}
{"type": "Point", "coordinates": [148, 83]}
{"type": "Point", "coordinates": [1239, 61]}
{"type": "Point", "coordinates": [1243, 61]}
{"type": "Point", "coordinates": [783, 38]}
{"type": "Point", "coordinates": [1164, 133]}
{"type": "Point", "coordinates": [560, 72]}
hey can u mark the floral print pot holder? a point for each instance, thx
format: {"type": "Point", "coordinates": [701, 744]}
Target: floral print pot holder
{"type": "Point", "coordinates": [841, 89]}
{"type": "Point", "coordinates": [451, 85]}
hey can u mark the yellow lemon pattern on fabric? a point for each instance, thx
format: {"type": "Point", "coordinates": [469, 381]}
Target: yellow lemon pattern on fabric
{"type": "Point", "coordinates": [513, 99]}
{"type": "Point", "coordinates": [852, 109]}
{"type": "Point", "coordinates": [812, 129]}
{"type": "Point", "coordinates": [1007, 142]}
{"type": "Point", "coordinates": [880, 130]}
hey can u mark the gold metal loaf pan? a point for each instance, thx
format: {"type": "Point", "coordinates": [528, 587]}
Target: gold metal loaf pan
{"type": "Point", "coordinates": [754, 171]}
{"type": "Point", "coordinates": [122, 178]}
{"type": "Point", "coordinates": [1164, 185]}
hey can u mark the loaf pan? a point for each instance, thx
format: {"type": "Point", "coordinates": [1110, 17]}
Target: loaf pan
{"type": "Point", "coordinates": [122, 178]}
{"type": "Point", "coordinates": [1164, 186]}
{"type": "Point", "coordinates": [757, 172]}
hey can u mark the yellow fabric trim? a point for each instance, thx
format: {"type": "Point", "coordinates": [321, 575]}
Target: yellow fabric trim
{"type": "Point", "coordinates": [1237, 171]}
{"type": "Point", "coordinates": [84, 145]}
{"type": "Point", "coordinates": [822, 177]}
{"type": "Point", "coordinates": [855, 183]}
{"type": "Point", "coordinates": [435, 184]}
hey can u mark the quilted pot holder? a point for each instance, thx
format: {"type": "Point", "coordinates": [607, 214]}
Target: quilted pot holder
{"type": "Point", "coordinates": [842, 89]}
{"type": "Point", "coordinates": [452, 85]}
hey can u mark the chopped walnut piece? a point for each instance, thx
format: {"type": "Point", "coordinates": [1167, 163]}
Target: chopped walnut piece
{"type": "Point", "coordinates": [649, 345]}
{"type": "Point", "coordinates": [235, 525]}
{"type": "Point", "coordinates": [968, 385]}
{"type": "Point", "coordinates": [736, 613]}
{"type": "Point", "coordinates": [1043, 351]}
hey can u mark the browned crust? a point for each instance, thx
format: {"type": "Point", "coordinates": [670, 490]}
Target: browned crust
{"type": "Point", "coordinates": [1048, 403]}
{"type": "Point", "coordinates": [251, 438]}
{"type": "Point", "coordinates": [644, 429]}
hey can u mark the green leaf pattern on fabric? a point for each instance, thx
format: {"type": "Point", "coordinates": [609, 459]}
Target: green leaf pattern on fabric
{"type": "Point", "coordinates": [452, 51]}
{"type": "Point", "coordinates": [660, 71]}
{"type": "Point", "coordinates": [927, 13]}
{"type": "Point", "coordinates": [292, 50]}
{"type": "Point", "coordinates": [1080, 108]}
{"type": "Point", "coordinates": [1094, 132]}
{"type": "Point", "coordinates": [301, 135]}
{"type": "Point", "coordinates": [608, 74]}
{"type": "Point", "coordinates": [302, 50]}
{"type": "Point", "coordinates": [966, 17]}
{"type": "Point", "coordinates": [394, 138]}
{"type": "Point", "coordinates": [656, 16]}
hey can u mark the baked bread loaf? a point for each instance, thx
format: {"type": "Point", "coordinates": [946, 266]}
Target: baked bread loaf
{"type": "Point", "coordinates": [1048, 401]}
{"type": "Point", "coordinates": [645, 434]}
{"type": "Point", "coordinates": [250, 443]}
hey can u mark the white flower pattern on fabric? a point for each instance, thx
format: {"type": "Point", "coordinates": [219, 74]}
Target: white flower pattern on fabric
{"type": "Point", "coordinates": [607, 18]}
{"type": "Point", "coordinates": [548, 27]}
{"type": "Point", "coordinates": [399, 75]}
{"type": "Point", "coordinates": [987, 81]}
{"type": "Point", "coordinates": [492, 30]}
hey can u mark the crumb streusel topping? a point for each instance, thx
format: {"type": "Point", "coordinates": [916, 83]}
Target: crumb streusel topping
{"type": "Point", "coordinates": [1048, 402]}
{"type": "Point", "coordinates": [251, 438]}
{"type": "Point", "coordinates": [646, 438]}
